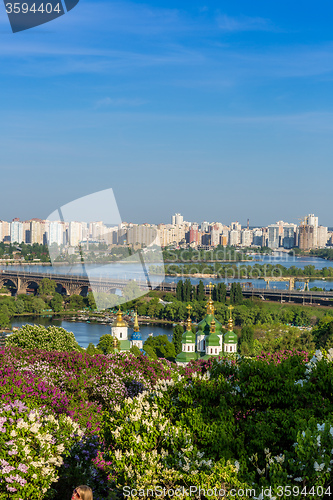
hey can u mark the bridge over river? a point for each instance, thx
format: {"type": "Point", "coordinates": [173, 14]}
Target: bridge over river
{"type": "Point", "coordinates": [21, 282]}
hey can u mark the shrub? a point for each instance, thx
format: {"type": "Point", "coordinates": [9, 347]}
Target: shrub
{"type": "Point", "coordinates": [52, 338]}
{"type": "Point", "coordinates": [32, 443]}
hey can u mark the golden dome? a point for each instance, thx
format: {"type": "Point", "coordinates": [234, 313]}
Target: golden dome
{"type": "Point", "coordinates": [210, 303]}
{"type": "Point", "coordinates": [119, 321]}
{"type": "Point", "coordinates": [136, 323]}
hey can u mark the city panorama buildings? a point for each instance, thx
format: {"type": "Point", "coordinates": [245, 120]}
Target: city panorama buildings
{"type": "Point", "coordinates": [308, 235]}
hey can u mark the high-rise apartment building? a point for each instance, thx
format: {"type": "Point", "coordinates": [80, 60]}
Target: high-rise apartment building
{"type": "Point", "coordinates": [288, 239]}
{"type": "Point", "coordinates": [322, 236]}
{"type": "Point", "coordinates": [257, 237]}
{"type": "Point", "coordinates": [273, 236]}
{"type": "Point", "coordinates": [4, 230]}
{"type": "Point", "coordinates": [235, 226]}
{"type": "Point", "coordinates": [177, 219]}
{"type": "Point", "coordinates": [16, 232]}
{"type": "Point", "coordinates": [75, 233]}
{"type": "Point", "coordinates": [56, 233]}
{"type": "Point", "coordinates": [234, 237]}
{"type": "Point", "coordinates": [246, 237]}
{"type": "Point", "coordinates": [37, 230]}
{"type": "Point", "coordinates": [194, 235]}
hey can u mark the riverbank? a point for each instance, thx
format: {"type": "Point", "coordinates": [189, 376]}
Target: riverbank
{"type": "Point", "coordinates": [102, 318]}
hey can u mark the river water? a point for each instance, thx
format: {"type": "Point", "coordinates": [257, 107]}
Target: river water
{"type": "Point", "coordinates": [91, 332]}
{"type": "Point", "coordinates": [130, 271]}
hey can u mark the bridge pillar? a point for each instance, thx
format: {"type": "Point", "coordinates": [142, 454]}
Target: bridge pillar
{"type": "Point", "coordinates": [70, 289]}
{"type": "Point", "coordinates": [21, 286]}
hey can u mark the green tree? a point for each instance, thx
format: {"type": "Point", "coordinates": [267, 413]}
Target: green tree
{"type": "Point", "coordinates": [20, 306]}
{"type": "Point", "coordinates": [200, 291]}
{"type": "Point", "coordinates": [76, 302]}
{"type": "Point", "coordinates": [177, 338]}
{"type": "Point", "coordinates": [56, 302]}
{"type": "Point", "coordinates": [135, 350]}
{"type": "Point", "coordinates": [221, 293]}
{"type": "Point", "coordinates": [47, 287]}
{"type": "Point", "coordinates": [38, 305]}
{"type": "Point", "coordinates": [131, 291]}
{"type": "Point", "coordinates": [4, 320]}
{"type": "Point", "coordinates": [246, 340]}
{"type": "Point", "coordinates": [160, 346]}
{"type": "Point", "coordinates": [179, 290]}
{"type": "Point", "coordinates": [187, 291]}
{"type": "Point", "coordinates": [91, 301]}
{"type": "Point", "coordinates": [92, 350]}
{"type": "Point", "coordinates": [323, 332]}
{"type": "Point", "coordinates": [106, 343]}
{"type": "Point", "coordinates": [52, 338]}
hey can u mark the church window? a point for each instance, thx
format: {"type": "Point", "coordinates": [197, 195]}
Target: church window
{"type": "Point", "coordinates": [215, 351]}
{"type": "Point", "coordinates": [120, 335]}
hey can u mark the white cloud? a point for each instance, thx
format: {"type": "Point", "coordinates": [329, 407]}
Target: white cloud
{"type": "Point", "coordinates": [119, 102]}
{"type": "Point", "coordinates": [244, 23]}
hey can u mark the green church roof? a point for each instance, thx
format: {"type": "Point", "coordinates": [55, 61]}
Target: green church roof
{"type": "Point", "coordinates": [188, 337]}
{"type": "Point", "coordinates": [125, 345]}
{"type": "Point", "coordinates": [230, 338]}
{"type": "Point", "coordinates": [204, 325]}
{"type": "Point", "coordinates": [185, 357]}
{"type": "Point", "coordinates": [213, 340]}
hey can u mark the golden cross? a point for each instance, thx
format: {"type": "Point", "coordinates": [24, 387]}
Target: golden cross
{"type": "Point", "coordinates": [230, 309]}
{"type": "Point", "coordinates": [210, 286]}
{"type": "Point", "coordinates": [189, 307]}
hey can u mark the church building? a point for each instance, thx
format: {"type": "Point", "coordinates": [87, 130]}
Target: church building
{"type": "Point", "coordinates": [209, 341]}
{"type": "Point", "coordinates": [119, 330]}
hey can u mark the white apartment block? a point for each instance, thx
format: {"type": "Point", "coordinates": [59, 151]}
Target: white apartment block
{"type": "Point", "coordinates": [75, 233]}
{"type": "Point", "coordinates": [4, 230]}
{"type": "Point", "coordinates": [246, 237]}
{"type": "Point", "coordinates": [16, 232]}
{"type": "Point", "coordinates": [234, 237]}
{"type": "Point", "coordinates": [177, 219]}
{"type": "Point", "coordinates": [37, 230]}
{"type": "Point", "coordinates": [169, 234]}
{"type": "Point", "coordinates": [322, 236]}
{"type": "Point", "coordinates": [56, 233]}
{"type": "Point", "coordinates": [215, 237]}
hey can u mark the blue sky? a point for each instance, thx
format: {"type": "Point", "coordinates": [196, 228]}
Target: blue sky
{"type": "Point", "coordinates": [219, 110]}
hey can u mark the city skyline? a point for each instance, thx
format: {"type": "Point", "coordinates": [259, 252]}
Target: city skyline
{"type": "Point", "coordinates": [225, 108]}
{"type": "Point", "coordinates": [309, 234]}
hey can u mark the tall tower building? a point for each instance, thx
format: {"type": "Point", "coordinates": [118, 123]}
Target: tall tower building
{"type": "Point", "coordinates": [16, 232]}
{"type": "Point", "coordinates": [75, 233]}
{"type": "Point", "coordinates": [177, 219]}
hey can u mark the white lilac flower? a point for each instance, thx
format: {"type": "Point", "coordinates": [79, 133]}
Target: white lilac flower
{"type": "Point", "coordinates": [280, 459]}
{"type": "Point", "coordinates": [321, 427]}
{"type": "Point", "coordinates": [318, 354]}
{"type": "Point", "coordinates": [299, 479]}
{"type": "Point", "coordinates": [318, 467]}
{"type": "Point", "coordinates": [330, 354]}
